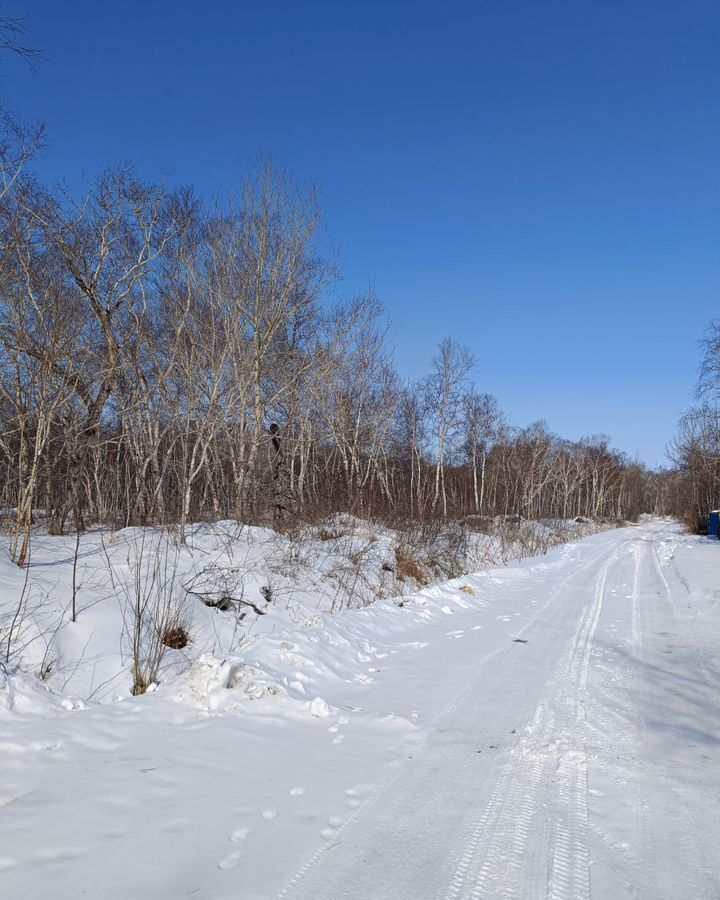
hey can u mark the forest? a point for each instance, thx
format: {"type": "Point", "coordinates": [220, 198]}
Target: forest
{"type": "Point", "coordinates": [162, 362]}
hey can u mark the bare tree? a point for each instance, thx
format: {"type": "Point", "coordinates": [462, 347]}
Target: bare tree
{"type": "Point", "coordinates": [106, 247]}
{"type": "Point", "coordinates": [12, 33]}
{"type": "Point", "coordinates": [445, 389]}
{"type": "Point", "coordinates": [482, 421]}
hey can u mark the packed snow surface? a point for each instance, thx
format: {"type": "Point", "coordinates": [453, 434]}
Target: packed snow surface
{"type": "Point", "coordinates": [548, 729]}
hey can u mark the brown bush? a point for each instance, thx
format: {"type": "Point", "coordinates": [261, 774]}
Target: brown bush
{"type": "Point", "coordinates": [329, 534]}
{"type": "Point", "coordinates": [175, 638]}
{"type": "Point", "coordinates": [694, 523]}
{"type": "Point", "coordinates": [406, 567]}
{"type": "Point", "coordinates": [480, 524]}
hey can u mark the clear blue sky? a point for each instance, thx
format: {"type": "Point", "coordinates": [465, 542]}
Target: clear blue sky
{"type": "Point", "coordinates": [539, 180]}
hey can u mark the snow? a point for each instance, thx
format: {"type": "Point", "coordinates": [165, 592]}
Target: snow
{"type": "Point", "coordinates": [543, 729]}
{"type": "Point", "coordinates": [273, 580]}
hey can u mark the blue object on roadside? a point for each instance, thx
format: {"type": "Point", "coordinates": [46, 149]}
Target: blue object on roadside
{"type": "Point", "coordinates": [715, 523]}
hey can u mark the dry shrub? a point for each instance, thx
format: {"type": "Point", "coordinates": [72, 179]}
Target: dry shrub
{"type": "Point", "coordinates": [480, 524]}
{"type": "Point", "coordinates": [466, 589]}
{"type": "Point", "coordinates": [406, 567]}
{"type": "Point", "coordinates": [438, 547]}
{"type": "Point", "coordinates": [175, 638]}
{"type": "Point", "coordinates": [154, 603]}
{"type": "Point", "coordinates": [334, 528]}
{"type": "Point", "coordinates": [694, 523]}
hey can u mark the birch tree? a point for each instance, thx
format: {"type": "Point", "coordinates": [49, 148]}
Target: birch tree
{"type": "Point", "coordinates": [445, 388]}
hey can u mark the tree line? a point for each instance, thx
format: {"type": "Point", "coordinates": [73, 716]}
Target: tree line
{"type": "Point", "coordinates": [692, 488]}
{"type": "Point", "coordinates": [163, 360]}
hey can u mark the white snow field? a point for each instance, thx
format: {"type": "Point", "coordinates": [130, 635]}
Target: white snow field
{"type": "Point", "coordinates": [547, 729]}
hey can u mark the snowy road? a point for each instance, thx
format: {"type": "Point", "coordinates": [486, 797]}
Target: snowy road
{"type": "Point", "coordinates": [546, 730]}
{"type": "Point", "coordinates": [581, 764]}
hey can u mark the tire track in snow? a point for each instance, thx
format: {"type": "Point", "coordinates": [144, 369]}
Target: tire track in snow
{"type": "Point", "coordinates": [531, 839]}
{"type": "Point", "coordinates": [371, 808]}
{"type": "Point", "coordinates": [516, 836]}
{"type": "Point", "coordinates": [680, 621]}
{"type": "Point", "coordinates": [677, 653]}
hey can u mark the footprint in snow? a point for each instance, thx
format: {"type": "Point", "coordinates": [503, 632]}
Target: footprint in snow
{"type": "Point", "coordinates": [268, 814]}
{"type": "Point", "coordinates": [333, 729]}
{"type": "Point", "coordinates": [239, 835]}
{"type": "Point", "coordinates": [360, 790]}
{"type": "Point", "coordinates": [230, 861]}
{"type": "Point", "coordinates": [334, 822]}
